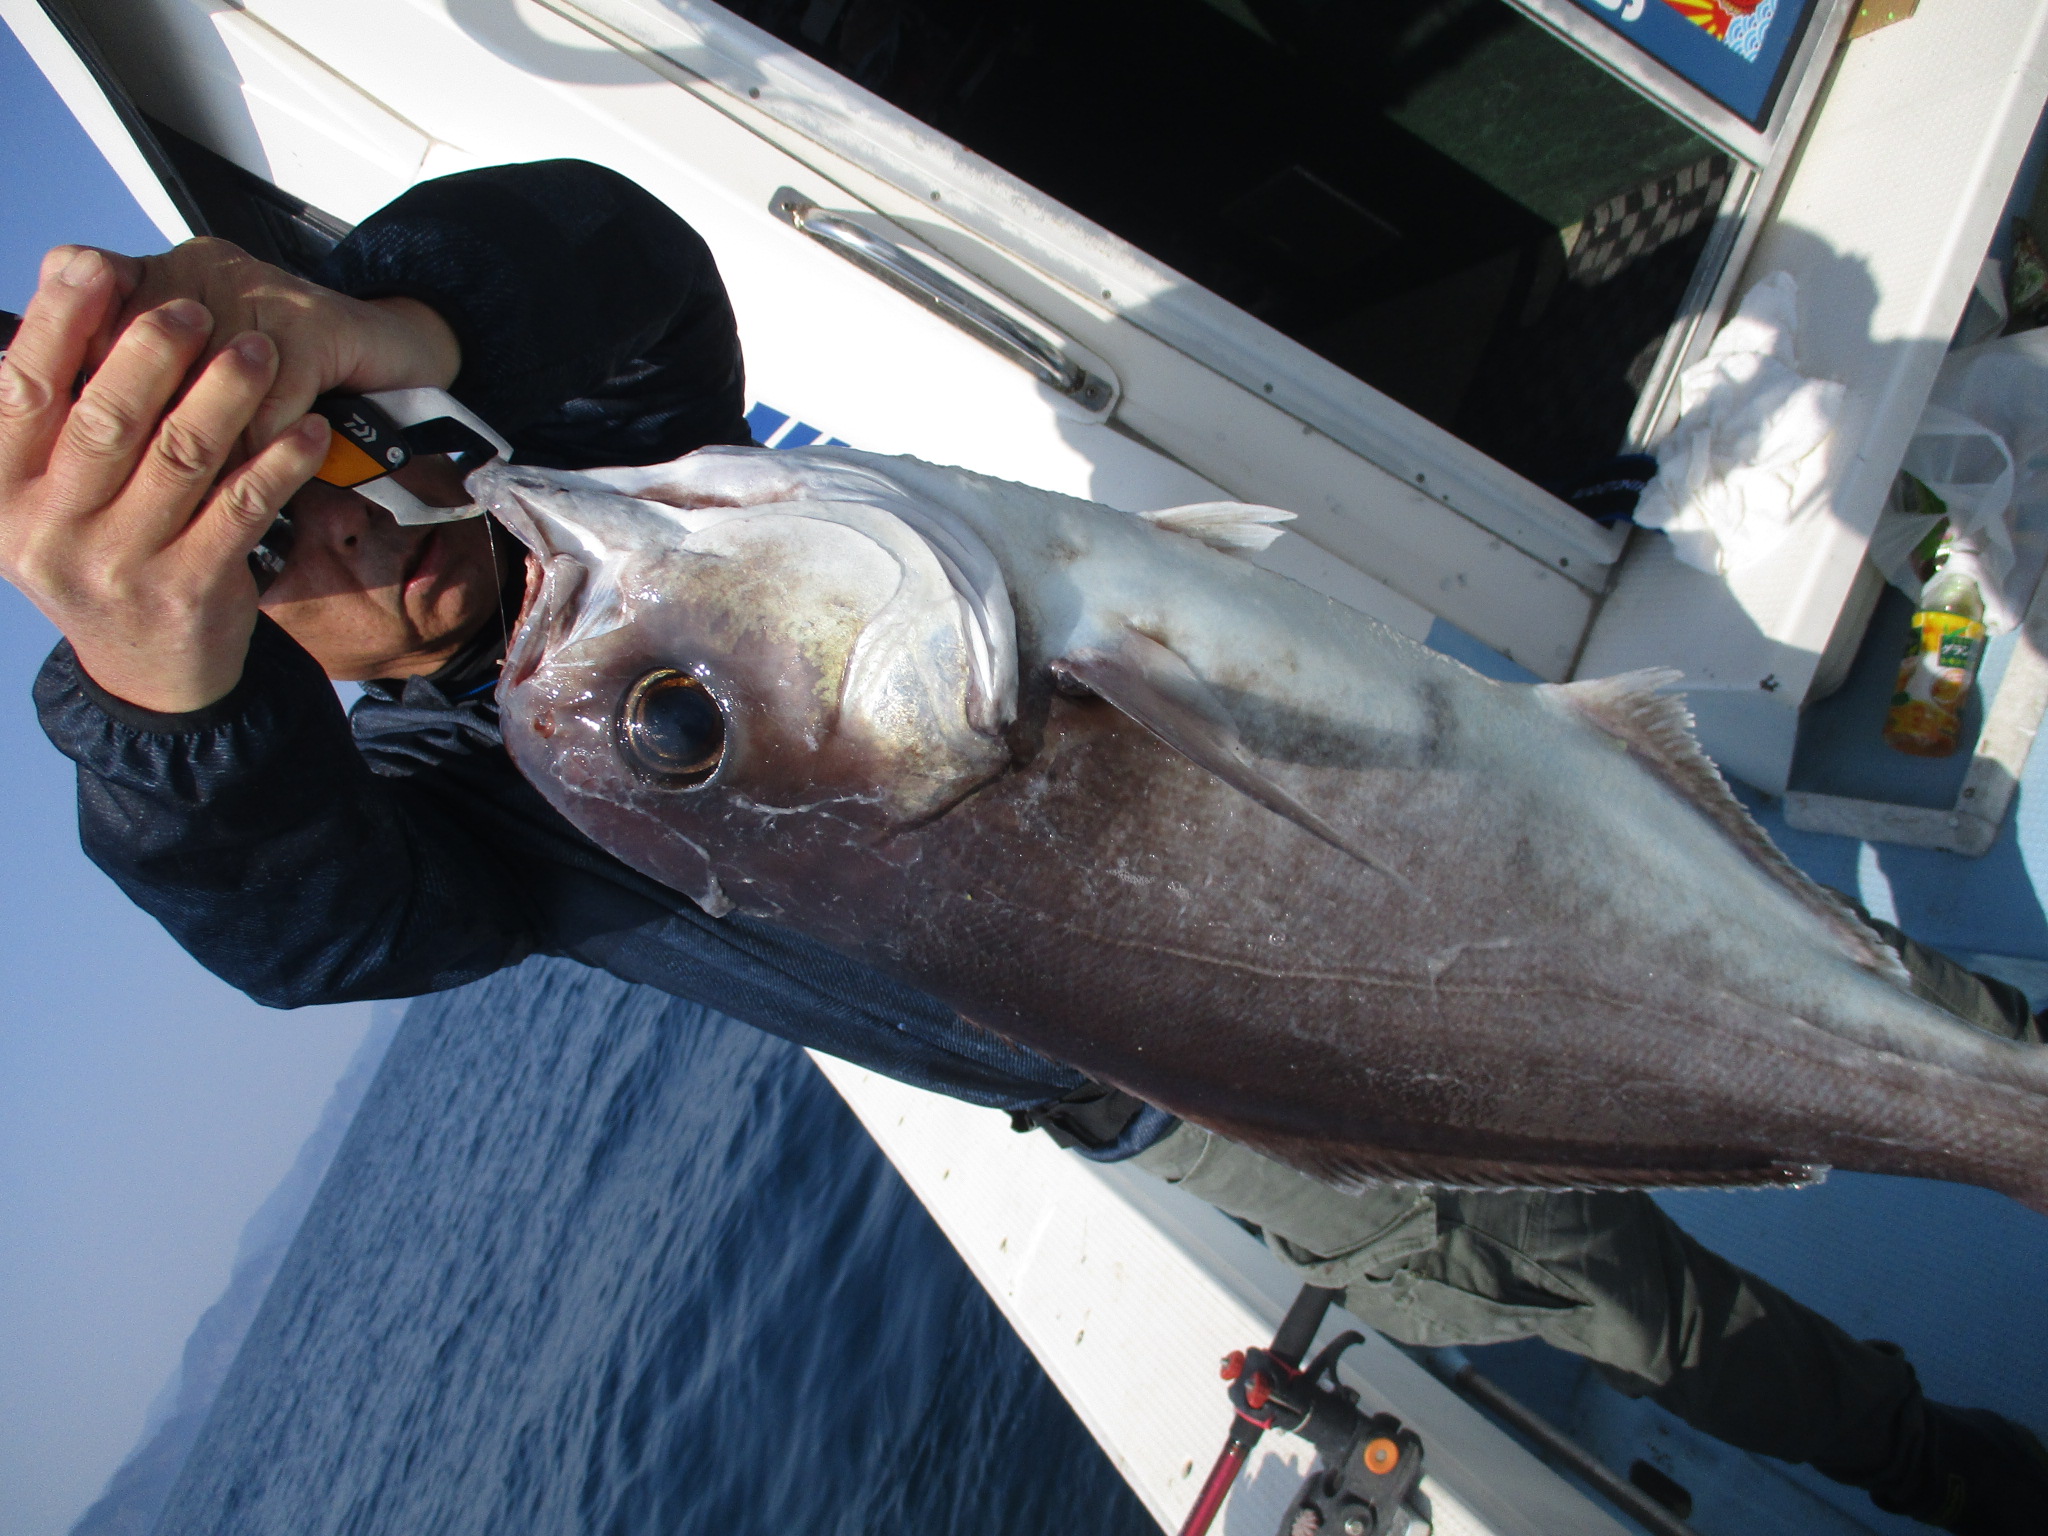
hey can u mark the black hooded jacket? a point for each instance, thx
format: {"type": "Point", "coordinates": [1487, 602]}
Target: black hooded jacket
{"type": "Point", "coordinates": [307, 857]}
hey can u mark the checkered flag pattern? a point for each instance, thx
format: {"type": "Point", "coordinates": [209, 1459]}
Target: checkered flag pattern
{"type": "Point", "coordinates": [1631, 225]}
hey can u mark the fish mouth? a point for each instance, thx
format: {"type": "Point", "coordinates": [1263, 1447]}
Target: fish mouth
{"type": "Point", "coordinates": [551, 512]}
{"type": "Point", "coordinates": [528, 648]}
{"type": "Point", "coordinates": [556, 573]}
{"type": "Point", "coordinates": [554, 613]}
{"type": "Point", "coordinates": [497, 488]}
{"type": "Point", "coordinates": [529, 632]}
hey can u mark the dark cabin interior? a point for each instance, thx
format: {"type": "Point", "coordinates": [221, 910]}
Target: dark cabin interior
{"type": "Point", "coordinates": [1436, 195]}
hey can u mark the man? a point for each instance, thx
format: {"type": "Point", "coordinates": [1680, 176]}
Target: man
{"type": "Point", "coordinates": [308, 858]}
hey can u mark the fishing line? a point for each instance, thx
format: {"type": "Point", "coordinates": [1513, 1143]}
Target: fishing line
{"type": "Point", "coordinates": [504, 624]}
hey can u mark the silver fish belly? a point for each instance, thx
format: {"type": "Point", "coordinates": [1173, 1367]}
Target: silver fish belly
{"type": "Point", "coordinates": [1218, 840]}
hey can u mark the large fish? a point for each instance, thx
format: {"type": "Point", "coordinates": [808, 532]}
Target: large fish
{"type": "Point", "coordinates": [1218, 840]}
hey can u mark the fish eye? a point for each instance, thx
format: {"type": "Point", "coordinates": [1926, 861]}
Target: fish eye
{"type": "Point", "coordinates": [671, 728]}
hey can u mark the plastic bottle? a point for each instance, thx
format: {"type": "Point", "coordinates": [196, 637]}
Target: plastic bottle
{"type": "Point", "coordinates": [1943, 652]}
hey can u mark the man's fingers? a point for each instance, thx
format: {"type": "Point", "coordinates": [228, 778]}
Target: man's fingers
{"type": "Point", "coordinates": [76, 293]}
{"type": "Point", "coordinates": [126, 275]}
{"type": "Point", "coordinates": [116, 413]}
{"type": "Point", "coordinates": [128, 272]}
{"type": "Point", "coordinates": [242, 510]}
{"type": "Point", "coordinates": [55, 260]}
{"type": "Point", "coordinates": [196, 438]}
{"type": "Point", "coordinates": [301, 377]}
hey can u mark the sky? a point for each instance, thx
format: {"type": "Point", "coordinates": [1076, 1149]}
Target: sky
{"type": "Point", "coordinates": [145, 1108]}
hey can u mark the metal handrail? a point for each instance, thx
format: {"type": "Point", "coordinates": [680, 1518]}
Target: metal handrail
{"type": "Point", "coordinates": [1031, 350]}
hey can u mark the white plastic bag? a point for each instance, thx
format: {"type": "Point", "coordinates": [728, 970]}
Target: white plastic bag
{"type": "Point", "coordinates": [1970, 469]}
{"type": "Point", "coordinates": [1746, 456]}
{"type": "Point", "coordinates": [1982, 446]}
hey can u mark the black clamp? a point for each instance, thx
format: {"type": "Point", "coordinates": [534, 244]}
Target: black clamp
{"type": "Point", "coordinates": [371, 436]}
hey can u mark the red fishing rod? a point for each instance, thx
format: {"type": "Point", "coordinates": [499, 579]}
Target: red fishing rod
{"type": "Point", "coordinates": [1370, 1464]}
{"type": "Point", "coordinates": [1250, 1374]}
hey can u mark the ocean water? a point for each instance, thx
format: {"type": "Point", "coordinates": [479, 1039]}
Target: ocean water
{"type": "Point", "coordinates": [591, 1259]}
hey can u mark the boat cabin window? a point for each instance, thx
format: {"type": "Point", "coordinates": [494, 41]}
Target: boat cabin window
{"type": "Point", "coordinates": [1438, 196]}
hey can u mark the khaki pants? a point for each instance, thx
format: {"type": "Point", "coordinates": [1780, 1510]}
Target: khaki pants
{"type": "Point", "coordinates": [1604, 1274]}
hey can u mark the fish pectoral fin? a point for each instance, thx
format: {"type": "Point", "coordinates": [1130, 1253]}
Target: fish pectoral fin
{"type": "Point", "coordinates": [1235, 527]}
{"type": "Point", "coordinates": [1658, 729]}
{"type": "Point", "coordinates": [1154, 685]}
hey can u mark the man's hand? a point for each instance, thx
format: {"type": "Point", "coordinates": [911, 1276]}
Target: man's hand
{"type": "Point", "coordinates": [111, 520]}
{"type": "Point", "coordinates": [324, 339]}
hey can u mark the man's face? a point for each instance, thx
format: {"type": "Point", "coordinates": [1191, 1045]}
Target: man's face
{"type": "Point", "coordinates": [368, 598]}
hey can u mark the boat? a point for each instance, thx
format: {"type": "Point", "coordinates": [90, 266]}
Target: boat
{"type": "Point", "coordinates": [1399, 277]}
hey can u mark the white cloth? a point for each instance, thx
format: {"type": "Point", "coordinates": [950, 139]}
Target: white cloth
{"type": "Point", "coordinates": [1747, 454]}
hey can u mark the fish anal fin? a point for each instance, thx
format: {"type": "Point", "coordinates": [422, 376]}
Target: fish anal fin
{"type": "Point", "coordinates": [1658, 729]}
{"type": "Point", "coordinates": [1235, 527]}
{"type": "Point", "coordinates": [1357, 1165]}
{"type": "Point", "coordinates": [1153, 685]}
{"type": "Point", "coordinates": [1364, 1168]}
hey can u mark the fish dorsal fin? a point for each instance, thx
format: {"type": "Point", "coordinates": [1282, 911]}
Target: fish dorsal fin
{"type": "Point", "coordinates": [1235, 527]}
{"type": "Point", "coordinates": [1154, 685]}
{"type": "Point", "coordinates": [1658, 728]}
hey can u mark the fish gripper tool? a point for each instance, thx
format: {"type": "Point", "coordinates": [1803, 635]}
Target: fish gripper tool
{"type": "Point", "coordinates": [1369, 1464]}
